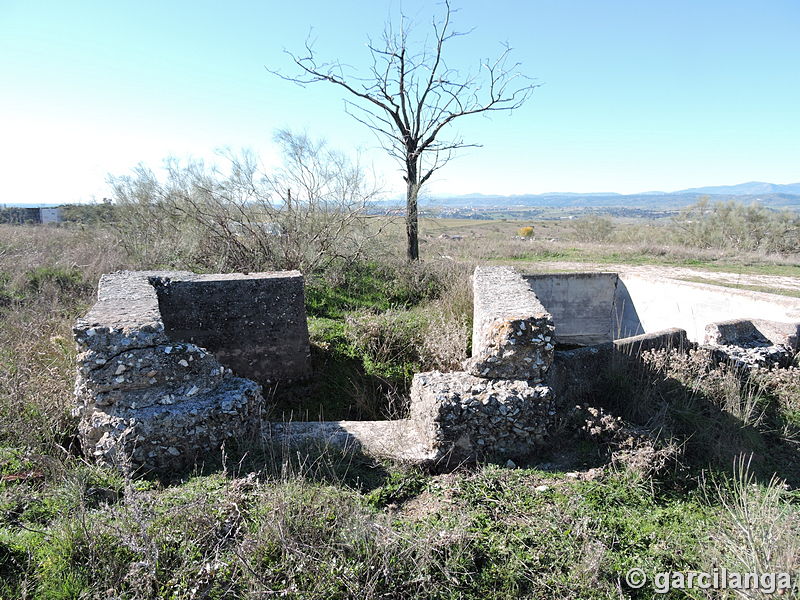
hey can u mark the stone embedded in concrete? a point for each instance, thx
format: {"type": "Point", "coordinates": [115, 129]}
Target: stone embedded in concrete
{"type": "Point", "coordinates": [751, 357]}
{"type": "Point", "coordinates": [149, 396]}
{"type": "Point", "coordinates": [464, 417]}
{"type": "Point", "coordinates": [752, 333]}
{"type": "Point", "coordinates": [512, 335]}
{"type": "Point", "coordinates": [750, 343]}
{"type": "Point", "coordinates": [668, 339]}
{"type": "Point", "coordinates": [170, 428]}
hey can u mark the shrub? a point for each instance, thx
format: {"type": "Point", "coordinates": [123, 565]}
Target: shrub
{"type": "Point", "coordinates": [525, 232]}
{"type": "Point", "coordinates": [593, 228]}
{"type": "Point", "coordinates": [733, 225]}
{"type": "Point", "coordinates": [304, 215]}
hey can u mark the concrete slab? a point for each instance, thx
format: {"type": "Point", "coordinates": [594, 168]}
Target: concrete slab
{"type": "Point", "coordinates": [401, 440]}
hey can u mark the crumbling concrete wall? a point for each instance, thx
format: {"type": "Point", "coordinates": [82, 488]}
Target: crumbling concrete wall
{"type": "Point", "coordinates": [149, 400]}
{"type": "Point", "coordinates": [512, 333]}
{"type": "Point", "coordinates": [162, 353]}
{"type": "Point", "coordinates": [753, 342]}
{"type": "Point", "coordinates": [467, 417]}
{"type": "Point", "coordinates": [576, 374]}
{"type": "Point", "coordinates": [499, 408]}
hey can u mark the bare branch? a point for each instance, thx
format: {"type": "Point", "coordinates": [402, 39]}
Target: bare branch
{"type": "Point", "coordinates": [409, 98]}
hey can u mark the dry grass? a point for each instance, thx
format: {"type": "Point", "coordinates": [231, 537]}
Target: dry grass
{"type": "Point", "coordinates": [637, 242]}
{"type": "Point", "coordinates": [305, 527]}
{"type": "Point", "coordinates": [50, 276]}
{"type": "Point", "coordinates": [758, 529]}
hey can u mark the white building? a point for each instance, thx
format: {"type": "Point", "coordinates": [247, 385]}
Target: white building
{"type": "Point", "coordinates": [49, 215]}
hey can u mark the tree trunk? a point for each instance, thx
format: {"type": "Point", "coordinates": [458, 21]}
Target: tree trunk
{"type": "Point", "coordinates": [412, 224]}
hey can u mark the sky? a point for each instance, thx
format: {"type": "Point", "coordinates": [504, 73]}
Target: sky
{"type": "Point", "coordinates": [633, 96]}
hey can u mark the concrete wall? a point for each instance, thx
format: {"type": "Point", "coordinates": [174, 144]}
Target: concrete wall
{"type": "Point", "coordinates": [593, 308]}
{"type": "Point", "coordinates": [644, 305]}
{"type": "Point", "coordinates": [146, 400]}
{"type": "Point", "coordinates": [581, 305]}
{"type": "Point", "coordinates": [254, 324]}
{"type": "Point", "coordinates": [512, 333]}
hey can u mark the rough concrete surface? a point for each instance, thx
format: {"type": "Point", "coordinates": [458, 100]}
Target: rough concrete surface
{"type": "Point", "coordinates": [580, 304]}
{"type": "Point", "coordinates": [753, 332]}
{"type": "Point", "coordinates": [147, 396]}
{"type": "Point", "coordinates": [254, 324]}
{"type": "Point", "coordinates": [162, 355]}
{"type": "Point", "coordinates": [512, 335]}
{"type": "Point", "coordinates": [400, 439]}
{"type": "Point", "coordinates": [466, 417]}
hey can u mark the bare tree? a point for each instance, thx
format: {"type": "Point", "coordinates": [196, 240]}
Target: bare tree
{"type": "Point", "coordinates": [411, 95]}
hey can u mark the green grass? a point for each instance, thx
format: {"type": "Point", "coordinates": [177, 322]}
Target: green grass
{"type": "Point", "coordinates": [738, 286]}
{"type": "Point", "coordinates": [490, 533]}
{"type": "Point", "coordinates": [317, 523]}
{"type": "Point", "coordinates": [601, 256]}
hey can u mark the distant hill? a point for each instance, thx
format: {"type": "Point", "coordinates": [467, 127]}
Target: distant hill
{"type": "Point", "coordinates": [747, 189]}
{"type": "Point", "coordinates": [778, 196]}
{"type": "Point", "coordinates": [672, 201]}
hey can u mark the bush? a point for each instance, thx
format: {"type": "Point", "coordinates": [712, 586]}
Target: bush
{"type": "Point", "coordinates": [65, 280]}
{"type": "Point", "coordinates": [525, 232]}
{"type": "Point", "coordinates": [593, 228]}
{"type": "Point", "coordinates": [389, 342]}
{"type": "Point", "coordinates": [305, 215]}
{"type": "Point", "coordinates": [733, 225]}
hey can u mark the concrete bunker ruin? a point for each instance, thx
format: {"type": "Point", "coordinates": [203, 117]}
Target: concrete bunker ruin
{"type": "Point", "coordinates": [167, 361]}
{"type": "Point", "coordinates": [595, 308]}
{"type": "Point", "coordinates": [172, 364]}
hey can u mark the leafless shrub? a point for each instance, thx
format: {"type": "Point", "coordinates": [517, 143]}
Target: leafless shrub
{"type": "Point", "coordinates": [758, 529]}
{"type": "Point", "coordinates": [593, 228]}
{"type": "Point", "coordinates": [739, 227]}
{"type": "Point", "coordinates": [304, 215]}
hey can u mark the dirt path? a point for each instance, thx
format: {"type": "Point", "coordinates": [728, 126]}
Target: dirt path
{"type": "Point", "coordinates": [737, 279]}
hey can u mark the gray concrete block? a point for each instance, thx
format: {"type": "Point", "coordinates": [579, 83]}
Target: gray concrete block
{"type": "Point", "coordinates": [158, 357]}
{"type": "Point", "coordinates": [463, 417]}
{"type": "Point", "coordinates": [512, 335]}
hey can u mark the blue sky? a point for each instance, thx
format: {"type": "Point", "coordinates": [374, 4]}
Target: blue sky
{"type": "Point", "coordinates": [635, 95]}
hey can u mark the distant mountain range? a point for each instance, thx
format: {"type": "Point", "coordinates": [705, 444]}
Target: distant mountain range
{"type": "Point", "coordinates": [743, 189]}
{"type": "Point", "coordinates": [769, 194]}
{"type": "Point", "coordinates": [746, 189]}
{"type": "Point", "coordinates": [773, 195]}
